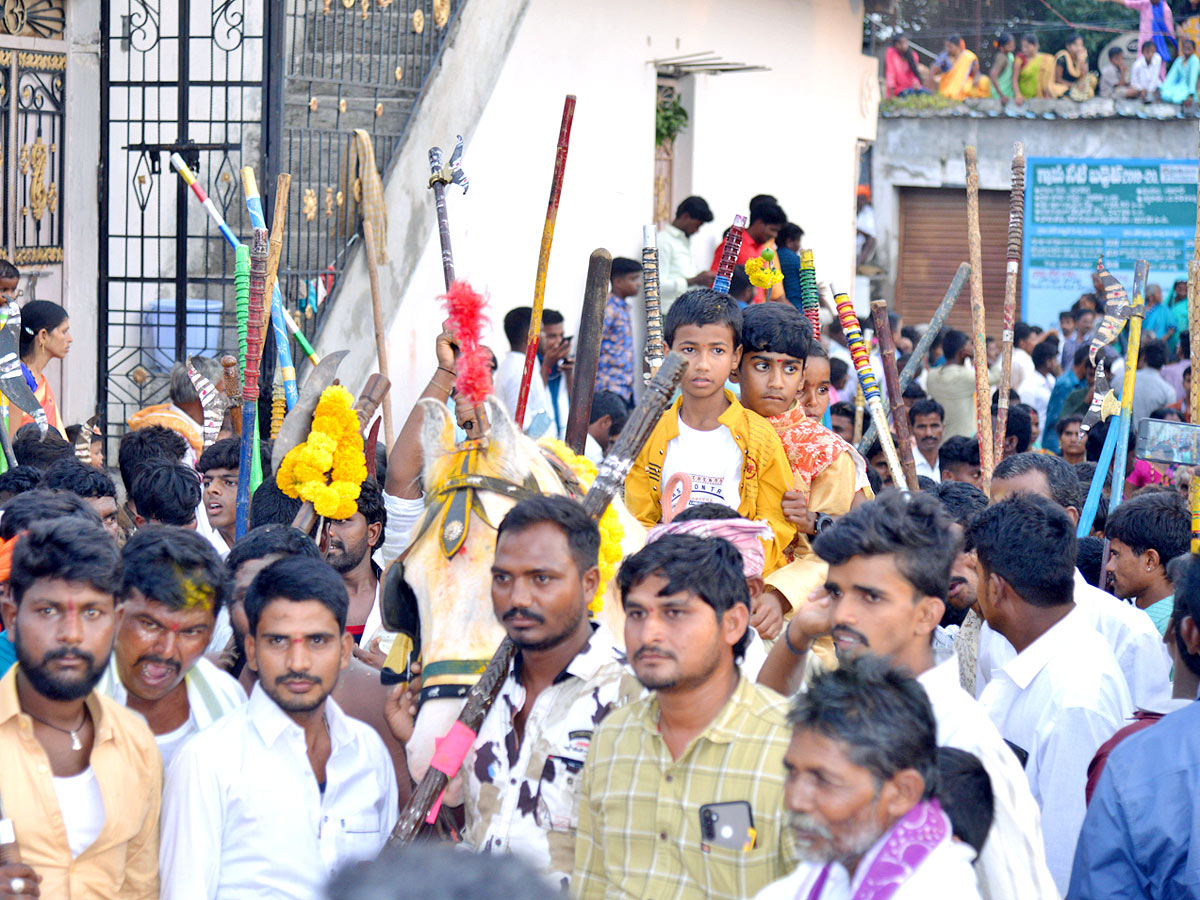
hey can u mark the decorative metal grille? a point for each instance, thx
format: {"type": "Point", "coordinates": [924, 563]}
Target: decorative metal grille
{"type": "Point", "coordinates": [188, 77]}
{"type": "Point", "coordinates": [40, 99]}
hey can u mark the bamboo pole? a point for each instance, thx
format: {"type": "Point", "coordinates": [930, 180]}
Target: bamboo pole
{"type": "Point", "coordinates": [278, 220]}
{"type": "Point", "coordinates": [887, 358]}
{"type": "Point", "coordinates": [1016, 226]}
{"type": "Point", "coordinates": [381, 349]}
{"type": "Point", "coordinates": [983, 407]}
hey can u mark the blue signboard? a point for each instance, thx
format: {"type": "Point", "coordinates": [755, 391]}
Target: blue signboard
{"type": "Point", "coordinates": [1126, 209]}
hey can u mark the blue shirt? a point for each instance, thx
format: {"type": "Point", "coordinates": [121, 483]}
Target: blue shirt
{"type": "Point", "coordinates": [1143, 824]}
{"type": "Point", "coordinates": [8, 653]}
{"type": "Point", "coordinates": [614, 371]}
{"type": "Point", "coordinates": [789, 265]}
{"type": "Point", "coordinates": [1066, 382]}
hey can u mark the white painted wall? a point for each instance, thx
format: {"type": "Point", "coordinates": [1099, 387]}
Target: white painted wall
{"type": "Point", "coordinates": [790, 131]}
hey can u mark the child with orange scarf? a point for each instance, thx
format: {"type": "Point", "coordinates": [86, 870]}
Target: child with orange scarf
{"type": "Point", "coordinates": [776, 341]}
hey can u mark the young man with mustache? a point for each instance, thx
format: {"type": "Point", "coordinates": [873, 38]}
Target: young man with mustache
{"type": "Point", "coordinates": [274, 797]}
{"type": "Point", "coordinates": [890, 565]}
{"type": "Point", "coordinates": [861, 782]}
{"type": "Point", "coordinates": [80, 775]}
{"type": "Point", "coordinates": [173, 587]}
{"type": "Point", "coordinates": [352, 544]}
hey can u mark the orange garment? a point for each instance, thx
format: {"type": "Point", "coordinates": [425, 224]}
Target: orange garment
{"type": "Point", "coordinates": [45, 398]}
{"type": "Point", "coordinates": [170, 416]}
{"type": "Point", "coordinates": [958, 83]}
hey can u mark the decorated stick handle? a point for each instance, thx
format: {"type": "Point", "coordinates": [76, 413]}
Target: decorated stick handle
{"type": "Point", "coordinates": [810, 297]}
{"type": "Point", "coordinates": [887, 359]}
{"type": "Point", "coordinates": [438, 186]}
{"type": "Point", "coordinates": [1016, 227]}
{"type": "Point", "coordinates": [655, 349]}
{"type": "Point", "coordinates": [259, 252]}
{"type": "Point", "coordinates": [233, 389]}
{"type": "Point", "coordinates": [983, 406]}
{"type": "Point", "coordinates": [729, 254]}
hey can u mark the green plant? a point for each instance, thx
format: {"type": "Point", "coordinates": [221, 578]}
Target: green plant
{"type": "Point", "coordinates": [916, 102]}
{"type": "Point", "coordinates": [670, 120]}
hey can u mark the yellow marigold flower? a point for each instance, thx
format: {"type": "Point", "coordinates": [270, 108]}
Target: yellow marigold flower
{"type": "Point", "coordinates": [285, 477]}
{"type": "Point", "coordinates": [760, 274]}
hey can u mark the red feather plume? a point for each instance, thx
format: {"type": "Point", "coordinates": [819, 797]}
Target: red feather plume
{"type": "Point", "coordinates": [464, 307]}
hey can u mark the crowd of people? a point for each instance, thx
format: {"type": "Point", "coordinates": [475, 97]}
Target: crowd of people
{"type": "Point", "coordinates": [820, 687]}
{"type": "Point", "coordinates": [1165, 67]}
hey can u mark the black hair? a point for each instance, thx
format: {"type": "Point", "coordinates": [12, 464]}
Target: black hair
{"type": "Point", "coordinates": [271, 506]}
{"type": "Point", "coordinates": [816, 351]}
{"type": "Point", "coordinates": [145, 444]}
{"type": "Point", "coordinates": [581, 532]}
{"type": "Point", "coordinates": [166, 493]}
{"type": "Point", "coordinates": [20, 479]}
{"type": "Point", "coordinates": [953, 38]}
{"type": "Point", "coordinates": [1115, 51]}
{"type": "Point", "coordinates": [65, 549]}
{"type": "Point", "coordinates": [696, 207]}
{"type": "Point", "coordinates": [1044, 353]}
{"type": "Point", "coordinates": [1155, 354]}
{"type": "Point", "coordinates": [1019, 425]}
{"type": "Point", "coordinates": [227, 454]}
{"type": "Point", "coordinates": [958, 450]}
{"type": "Point", "coordinates": [739, 284]}
{"type": "Point", "coordinates": [1186, 579]}
{"type": "Point", "coordinates": [776, 328]}
{"type": "Point", "coordinates": [270, 540]}
{"type": "Point", "coordinates": [1089, 560]}
{"type": "Point", "coordinates": [1029, 542]}
{"type": "Point", "coordinates": [961, 501]}
{"type": "Point", "coordinates": [40, 505]}
{"type": "Point", "coordinates": [703, 306]}
{"type": "Point", "coordinates": [551, 317]}
{"type": "Point", "coordinates": [38, 316]}
{"type": "Point", "coordinates": [1146, 44]}
{"type": "Point", "coordinates": [1083, 357]}
{"type": "Point", "coordinates": [842, 407]}
{"type": "Point", "coordinates": [703, 512]}
{"type": "Point", "coordinates": [769, 213]}
{"type": "Point", "coordinates": [1159, 521]}
{"type": "Point", "coordinates": [1072, 37]}
{"type": "Point", "coordinates": [925, 483]}
{"type": "Point", "coordinates": [1166, 412]}
{"type": "Point", "coordinates": [1003, 38]}
{"type": "Point", "coordinates": [789, 232]}
{"type": "Point", "coordinates": [1060, 477]}
{"type": "Point", "coordinates": [838, 370]}
{"type": "Point", "coordinates": [926, 407]}
{"type": "Point", "coordinates": [32, 448]}
{"type": "Point", "coordinates": [881, 715]}
{"type": "Point", "coordinates": [611, 404]}
{"type": "Point", "coordinates": [1067, 314]}
{"type": "Point", "coordinates": [1021, 332]}
{"type": "Point", "coordinates": [176, 567]}
{"type": "Point", "coordinates": [1030, 38]}
{"type": "Point", "coordinates": [1066, 422]}
{"type": "Point", "coordinates": [965, 791]}
{"type": "Point", "coordinates": [913, 528]}
{"type": "Point", "coordinates": [297, 578]}
{"type": "Point", "coordinates": [623, 265]}
{"type": "Point", "coordinates": [81, 480]}
{"type": "Point", "coordinates": [8, 270]}
{"type": "Point", "coordinates": [710, 568]}
{"type": "Point", "coordinates": [760, 199]}
{"type": "Point", "coordinates": [371, 505]}
{"type": "Point", "coordinates": [953, 343]}
{"type": "Point", "coordinates": [516, 325]}
{"type": "Point", "coordinates": [874, 481]}
{"type": "Point", "coordinates": [913, 391]}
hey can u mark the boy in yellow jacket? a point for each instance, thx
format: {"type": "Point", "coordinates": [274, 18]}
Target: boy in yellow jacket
{"type": "Point", "coordinates": [727, 454]}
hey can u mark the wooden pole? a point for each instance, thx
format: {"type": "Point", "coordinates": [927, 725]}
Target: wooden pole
{"type": "Point", "coordinates": [587, 348]}
{"type": "Point", "coordinates": [539, 285]}
{"type": "Point", "coordinates": [381, 349]}
{"type": "Point", "coordinates": [278, 220]}
{"type": "Point", "coordinates": [1194, 399]}
{"type": "Point", "coordinates": [983, 406]}
{"type": "Point", "coordinates": [887, 357]}
{"type": "Point", "coordinates": [860, 405]}
{"type": "Point", "coordinates": [1016, 226]}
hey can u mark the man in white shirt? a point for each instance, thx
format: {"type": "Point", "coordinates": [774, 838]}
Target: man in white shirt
{"type": "Point", "coordinates": [539, 415]}
{"type": "Point", "coordinates": [1063, 695]}
{"type": "Point", "coordinates": [1036, 392]}
{"type": "Point", "coordinates": [1023, 370]}
{"type": "Point", "coordinates": [890, 565]}
{"type": "Point", "coordinates": [675, 252]}
{"type": "Point", "coordinates": [277, 795]}
{"type": "Point", "coordinates": [861, 769]}
{"type": "Point", "coordinates": [1129, 631]}
{"type": "Point", "coordinates": [172, 588]}
{"type": "Point", "coordinates": [925, 419]}
{"type": "Point", "coordinates": [1146, 77]}
{"type": "Point", "coordinates": [1150, 390]}
{"type": "Point", "coordinates": [609, 414]}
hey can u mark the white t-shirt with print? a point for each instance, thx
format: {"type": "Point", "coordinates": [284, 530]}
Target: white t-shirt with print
{"type": "Point", "coordinates": [712, 459]}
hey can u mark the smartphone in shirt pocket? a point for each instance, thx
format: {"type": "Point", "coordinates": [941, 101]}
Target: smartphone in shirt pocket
{"type": "Point", "coordinates": [729, 825]}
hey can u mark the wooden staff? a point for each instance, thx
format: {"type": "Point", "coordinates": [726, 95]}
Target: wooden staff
{"type": "Point", "coordinates": [587, 348]}
{"type": "Point", "coordinates": [539, 285]}
{"type": "Point", "coordinates": [278, 219]}
{"type": "Point", "coordinates": [1016, 227]}
{"type": "Point", "coordinates": [439, 177]}
{"type": "Point", "coordinates": [254, 340]}
{"type": "Point", "coordinates": [860, 405]}
{"type": "Point", "coordinates": [381, 349]}
{"type": "Point", "coordinates": [233, 390]}
{"type": "Point", "coordinates": [983, 406]}
{"type": "Point", "coordinates": [923, 345]}
{"type": "Point", "coordinates": [426, 800]}
{"type": "Point", "coordinates": [655, 349]}
{"type": "Point", "coordinates": [887, 357]}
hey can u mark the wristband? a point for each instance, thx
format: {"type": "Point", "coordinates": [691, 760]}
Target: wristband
{"type": "Point", "coordinates": [447, 371]}
{"type": "Point", "coordinates": [792, 648]}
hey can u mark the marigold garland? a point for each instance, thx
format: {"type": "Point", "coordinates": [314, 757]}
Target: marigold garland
{"type": "Point", "coordinates": [761, 275]}
{"type": "Point", "coordinates": [329, 468]}
{"type": "Point", "coordinates": [612, 532]}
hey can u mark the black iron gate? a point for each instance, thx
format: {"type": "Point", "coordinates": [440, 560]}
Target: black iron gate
{"type": "Point", "coordinates": [182, 76]}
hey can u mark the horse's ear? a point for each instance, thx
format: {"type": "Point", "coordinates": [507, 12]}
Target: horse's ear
{"type": "Point", "coordinates": [504, 431]}
{"type": "Point", "coordinates": [437, 428]}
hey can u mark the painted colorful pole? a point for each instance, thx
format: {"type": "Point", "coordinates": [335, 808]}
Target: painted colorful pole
{"type": "Point", "coordinates": [887, 358]}
{"type": "Point", "coordinates": [1141, 270]}
{"type": "Point", "coordinates": [729, 254]}
{"type": "Point", "coordinates": [870, 387]}
{"type": "Point", "coordinates": [810, 297]}
{"type": "Point", "coordinates": [539, 286]}
{"type": "Point", "coordinates": [656, 350]}
{"type": "Point", "coordinates": [249, 450]}
{"type": "Point", "coordinates": [1016, 227]}
{"type": "Point", "coordinates": [983, 406]}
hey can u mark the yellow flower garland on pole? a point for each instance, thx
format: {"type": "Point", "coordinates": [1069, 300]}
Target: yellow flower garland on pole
{"type": "Point", "coordinates": [612, 532]}
{"type": "Point", "coordinates": [760, 272]}
{"type": "Point", "coordinates": [329, 468]}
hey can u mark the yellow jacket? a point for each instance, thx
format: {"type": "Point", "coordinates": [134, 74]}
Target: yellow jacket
{"type": "Point", "coordinates": [765, 473]}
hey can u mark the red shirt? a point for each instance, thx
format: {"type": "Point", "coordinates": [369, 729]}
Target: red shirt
{"type": "Point", "coordinates": [750, 249]}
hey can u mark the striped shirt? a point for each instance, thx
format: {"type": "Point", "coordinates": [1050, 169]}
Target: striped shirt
{"type": "Point", "coordinates": [639, 817]}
